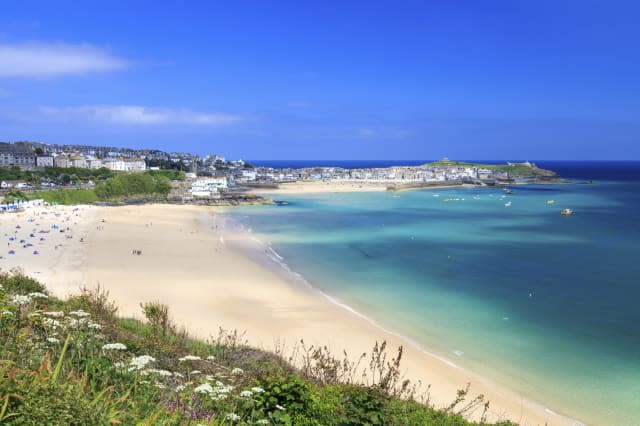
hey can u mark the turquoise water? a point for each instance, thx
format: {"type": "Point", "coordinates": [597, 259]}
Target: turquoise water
{"type": "Point", "coordinates": [545, 304]}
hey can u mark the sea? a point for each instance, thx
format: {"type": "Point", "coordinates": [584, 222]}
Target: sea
{"type": "Point", "coordinates": [500, 284]}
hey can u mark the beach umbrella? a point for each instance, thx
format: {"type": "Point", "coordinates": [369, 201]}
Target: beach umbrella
{"type": "Point", "coordinates": [12, 252]}
{"type": "Point", "coordinates": [35, 252]}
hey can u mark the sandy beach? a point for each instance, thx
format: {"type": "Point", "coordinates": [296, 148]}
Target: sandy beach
{"type": "Point", "coordinates": [213, 273]}
{"type": "Point", "coordinates": [334, 186]}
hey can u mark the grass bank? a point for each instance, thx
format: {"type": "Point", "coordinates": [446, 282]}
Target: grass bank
{"type": "Point", "coordinates": [76, 362]}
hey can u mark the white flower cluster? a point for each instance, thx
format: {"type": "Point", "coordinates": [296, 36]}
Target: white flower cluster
{"type": "Point", "coordinates": [50, 322]}
{"type": "Point", "coordinates": [233, 417]}
{"type": "Point", "coordinates": [246, 394]}
{"type": "Point", "coordinates": [262, 422]}
{"type": "Point", "coordinates": [189, 358]}
{"type": "Point", "coordinates": [7, 313]}
{"type": "Point", "coordinates": [38, 295]}
{"type": "Point", "coordinates": [163, 373]}
{"type": "Point", "coordinates": [139, 362]}
{"type": "Point", "coordinates": [52, 340]}
{"type": "Point", "coordinates": [114, 347]}
{"type": "Point", "coordinates": [220, 391]}
{"type": "Point", "coordinates": [54, 314]}
{"type": "Point", "coordinates": [257, 389]}
{"type": "Point", "coordinates": [237, 371]}
{"type": "Point", "coordinates": [21, 300]}
{"type": "Point", "coordinates": [204, 388]}
{"type": "Point", "coordinates": [79, 313]}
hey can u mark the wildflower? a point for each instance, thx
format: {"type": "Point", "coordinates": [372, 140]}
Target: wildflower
{"type": "Point", "coordinates": [180, 375]}
{"type": "Point", "coordinates": [179, 388]}
{"type": "Point", "coordinates": [1, 287]}
{"type": "Point", "coordinates": [237, 371]}
{"type": "Point", "coordinates": [139, 362]}
{"type": "Point", "coordinates": [220, 397]}
{"type": "Point", "coordinates": [257, 389]}
{"type": "Point", "coordinates": [94, 326]}
{"type": "Point", "coordinates": [246, 394]}
{"type": "Point", "coordinates": [79, 313]}
{"type": "Point", "coordinates": [51, 323]}
{"type": "Point", "coordinates": [160, 385]}
{"type": "Point", "coordinates": [233, 417]}
{"type": "Point", "coordinates": [194, 372]}
{"type": "Point", "coordinates": [52, 340]}
{"type": "Point", "coordinates": [7, 313]}
{"type": "Point", "coordinates": [38, 295]}
{"type": "Point", "coordinates": [280, 407]}
{"type": "Point", "coordinates": [204, 388]}
{"type": "Point", "coordinates": [119, 364]}
{"type": "Point", "coordinates": [221, 388]}
{"type": "Point", "coordinates": [211, 358]}
{"type": "Point", "coordinates": [262, 422]}
{"type": "Point", "coordinates": [34, 315]}
{"type": "Point", "coordinates": [21, 300]}
{"type": "Point", "coordinates": [54, 314]}
{"type": "Point", "coordinates": [163, 373]}
{"type": "Point", "coordinates": [189, 358]}
{"type": "Point", "coordinates": [114, 347]}
{"type": "Point", "coordinates": [209, 378]}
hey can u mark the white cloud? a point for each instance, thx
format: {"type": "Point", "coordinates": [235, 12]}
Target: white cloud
{"type": "Point", "coordinates": [139, 115]}
{"type": "Point", "coordinates": [47, 60]}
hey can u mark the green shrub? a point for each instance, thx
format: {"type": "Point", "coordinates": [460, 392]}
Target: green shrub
{"type": "Point", "coordinates": [17, 283]}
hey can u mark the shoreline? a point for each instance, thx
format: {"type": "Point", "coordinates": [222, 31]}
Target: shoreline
{"type": "Point", "coordinates": [297, 280]}
{"type": "Point", "coordinates": [214, 274]}
{"type": "Point", "coordinates": [334, 186]}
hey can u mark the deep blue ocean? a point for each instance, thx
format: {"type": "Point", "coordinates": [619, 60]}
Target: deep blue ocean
{"type": "Point", "coordinates": [501, 284]}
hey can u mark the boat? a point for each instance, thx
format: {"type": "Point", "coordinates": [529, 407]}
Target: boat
{"type": "Point", "coordinates": [507, 191]}
{"type": "Point", "coordinates": [550, 201]}
{"type": "Point", "coordinates": [566, 212]}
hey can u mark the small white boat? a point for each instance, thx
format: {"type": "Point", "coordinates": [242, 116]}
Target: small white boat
{"type": "Point", "coordinates": [550, 201]}
{"type": "Point", "coordinates": [507, 204]}
{"type": "Point", "coordinates": [566, 212]}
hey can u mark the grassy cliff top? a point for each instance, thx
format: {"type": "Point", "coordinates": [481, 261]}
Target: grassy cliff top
{"type": "Point", "coordinates": [75, 362]}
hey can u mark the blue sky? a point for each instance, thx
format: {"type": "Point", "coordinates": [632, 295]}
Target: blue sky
{"type": "Point", "coordinates": [326, 80]}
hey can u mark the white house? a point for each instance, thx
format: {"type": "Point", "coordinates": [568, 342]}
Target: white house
{"type": "Point", "coordinates": [44, 161]}
{"type": "Point", "coordinates": [208, 187]}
